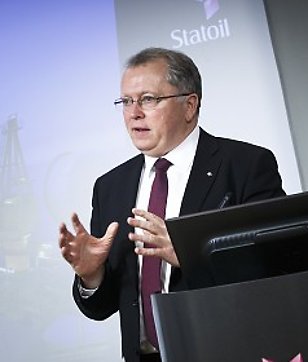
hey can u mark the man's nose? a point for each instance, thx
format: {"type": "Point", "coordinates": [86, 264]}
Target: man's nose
{"type": "Point", "coordinates": [135, 111]}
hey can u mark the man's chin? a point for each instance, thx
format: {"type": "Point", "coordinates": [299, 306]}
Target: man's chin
{"type": "Point", "coordinates": [148, 151]}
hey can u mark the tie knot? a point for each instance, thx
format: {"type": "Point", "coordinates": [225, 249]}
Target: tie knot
{"type": "Point", "coordinates": [162, 165]}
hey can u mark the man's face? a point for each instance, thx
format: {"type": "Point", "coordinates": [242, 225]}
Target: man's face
{"type": "Point", "coordinates": [157, 131]}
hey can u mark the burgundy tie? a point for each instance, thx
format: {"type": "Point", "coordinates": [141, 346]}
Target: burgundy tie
{"type": "Point", "coordinates": [150, 276]}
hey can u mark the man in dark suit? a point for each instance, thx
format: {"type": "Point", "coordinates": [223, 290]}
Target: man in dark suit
{"type": "Point", "coordinates": [161, 96]}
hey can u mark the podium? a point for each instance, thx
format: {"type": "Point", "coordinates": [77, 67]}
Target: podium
{"type": "Point", "coordinates": [246, 268]}
{"type": "Point", "coordinates": [254, 321]}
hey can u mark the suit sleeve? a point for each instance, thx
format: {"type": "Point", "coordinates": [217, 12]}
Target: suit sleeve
{"type": "Point", "coordinates": [263, 179]}
{"type": "Point", "coordinates": [104, 302]}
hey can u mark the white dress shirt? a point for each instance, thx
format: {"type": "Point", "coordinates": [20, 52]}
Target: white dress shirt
{"type": "Point", "coordinates": [178, 173]}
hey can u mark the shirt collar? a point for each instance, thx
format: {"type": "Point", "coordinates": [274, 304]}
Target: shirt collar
{"type": "Point", "coordinates": [181, 156]}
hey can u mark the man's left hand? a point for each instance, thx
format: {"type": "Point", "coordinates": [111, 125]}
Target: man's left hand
{"type": "Point", "coordinates": [155, 235]}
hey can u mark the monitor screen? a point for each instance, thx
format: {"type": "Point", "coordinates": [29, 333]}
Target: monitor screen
{"type": "Point", "coordinates": [241, 243]}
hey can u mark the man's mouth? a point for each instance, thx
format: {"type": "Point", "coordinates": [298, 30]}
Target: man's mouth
{"type": "Point", "coordinates": [140, 129]}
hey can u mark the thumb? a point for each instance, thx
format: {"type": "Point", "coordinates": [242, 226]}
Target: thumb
{"type": "Point", "coordinates": [111, 232]}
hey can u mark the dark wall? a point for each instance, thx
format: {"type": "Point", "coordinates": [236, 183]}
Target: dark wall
{"type": "Point", "coordinates": [289, 30]}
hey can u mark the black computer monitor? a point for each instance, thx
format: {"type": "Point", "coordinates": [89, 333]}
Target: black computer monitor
{"type": "Point", "coordinates": [241, 243]}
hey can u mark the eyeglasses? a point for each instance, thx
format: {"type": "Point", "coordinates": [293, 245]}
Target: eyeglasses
{"type": "Point", "coordinates": [146, 102]}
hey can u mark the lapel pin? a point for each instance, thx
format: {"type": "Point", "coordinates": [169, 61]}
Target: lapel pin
{"type": "Point", "coordinates": [210, 174]}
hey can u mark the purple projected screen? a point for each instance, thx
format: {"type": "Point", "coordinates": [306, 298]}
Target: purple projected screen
{"type": "Point", "coordinates": [59, 75]}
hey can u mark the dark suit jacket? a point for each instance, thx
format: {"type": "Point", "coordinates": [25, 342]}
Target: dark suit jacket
{"type": "Point", "coordinates": [220, 166]}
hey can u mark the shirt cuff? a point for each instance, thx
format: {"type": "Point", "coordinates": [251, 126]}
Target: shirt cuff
{"type": "Point", "coordinates": [85, 292]}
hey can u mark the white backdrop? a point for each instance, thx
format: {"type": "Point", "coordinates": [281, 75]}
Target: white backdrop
{"type": "Point", "coordinates": [59, 74]}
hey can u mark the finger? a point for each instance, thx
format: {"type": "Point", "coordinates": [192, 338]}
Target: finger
{"type": "Point", "coordinates": [138, 223]}
{"type": "Point", "coordinates": [77, 225]}
{"type": "Point", "coordinates": [152, 225]}
{"type": "Point", "coordinates": [144, 214]}
{"type": "Point", "coordinates": [62, 232]}
{"type": "Point", "coordinates": [168, 254]}
{"type": "Point", "coordinates": [66, 254]}
{"type": "Point", "coordinates": [64, 235]}
{"type": "Point", "coordinates": [144, 237]}
{"type": "Point", "coordinates": [149, 217]}
{"type": "Point", "coordinates": [62, 228]}
{"type": "Point", "coordinates": [148, 252]}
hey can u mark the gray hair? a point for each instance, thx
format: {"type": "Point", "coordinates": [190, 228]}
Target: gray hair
{"type": "Point", "coordinates": [182, 71]}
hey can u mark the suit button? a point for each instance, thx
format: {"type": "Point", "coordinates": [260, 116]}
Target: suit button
{"type": "Point", "coordinates": [135, 303]}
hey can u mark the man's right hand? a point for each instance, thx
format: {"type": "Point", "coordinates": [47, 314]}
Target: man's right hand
{"type": "Point", "coordinates": [85, 253]}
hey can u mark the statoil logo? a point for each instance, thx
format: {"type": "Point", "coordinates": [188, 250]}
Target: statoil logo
{"type": "Point", "coordinates": [210, 7]}
{"type": "Point", "coordinates": [212, 29]}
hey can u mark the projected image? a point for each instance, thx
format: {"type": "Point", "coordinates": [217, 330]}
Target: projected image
{"type": "Point", "coordinates": [55, 113]}
{"type": "Point", "coordinates": [60, 74]}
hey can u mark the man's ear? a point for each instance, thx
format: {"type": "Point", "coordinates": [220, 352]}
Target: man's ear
{"type": "Point", "coordinates": [192, 103]}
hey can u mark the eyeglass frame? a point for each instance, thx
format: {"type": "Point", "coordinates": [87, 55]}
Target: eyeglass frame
{"type": "Point", "coordinates": [140, 100]}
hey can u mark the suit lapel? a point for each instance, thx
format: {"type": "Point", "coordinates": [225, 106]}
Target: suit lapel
{"type": "Point", "coordinates": [130, 181]}
{"type": "Point", "coordinates": [203, 174]}
{"type": "Point", "coordinates": [126, 193]}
